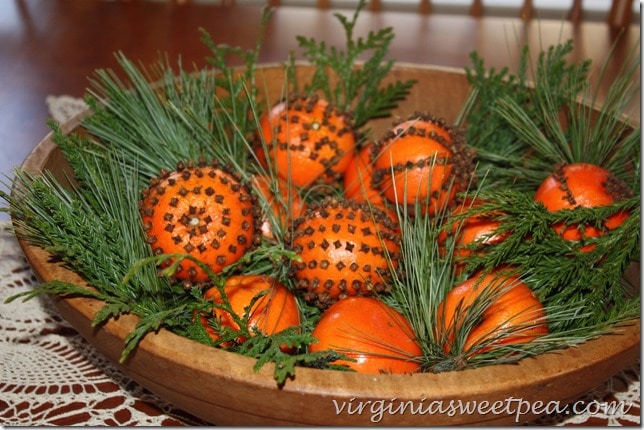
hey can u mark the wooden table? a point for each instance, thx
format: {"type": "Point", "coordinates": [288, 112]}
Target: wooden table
{"type": "Point", "coordinates": [51, 47]}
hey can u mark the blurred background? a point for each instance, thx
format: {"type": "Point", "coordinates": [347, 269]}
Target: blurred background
{"type": "Point", "coordinates": [593, 10]}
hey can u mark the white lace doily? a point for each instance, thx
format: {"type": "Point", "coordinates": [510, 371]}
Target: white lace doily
{"type": "Point", "coordinates": [51, 376]}
{"type": "Point", "coordinates": [62, 108]}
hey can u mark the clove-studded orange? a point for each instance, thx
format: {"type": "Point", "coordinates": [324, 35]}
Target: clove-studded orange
{"type": "Point", "coordinates": [345, 248]}
{"type": "Point", "coordinates": [306, 140]}
{"type": "Point", "coordinates": [584, 185]}
{"type": "Point", "coordinates": [422, 161]}
{"type": "Point", "coordinates": [203, 210]}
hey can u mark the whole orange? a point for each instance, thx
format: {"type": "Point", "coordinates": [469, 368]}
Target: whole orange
{"type": "Point", "coordinates": [378, 337]}
{"type": "Point", "coordinates": [513, 314]}
{"type": "Point", "coordinates": [274, 308]}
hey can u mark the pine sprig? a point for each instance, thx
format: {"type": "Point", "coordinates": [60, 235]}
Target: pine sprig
{"type": "Point", "coordinates": [236, 107]}
{"type": "Point", "coordinates": [427, 275]}
{"type": "Point", "coordinates": [541, 91]}
{"type": "Point", "coordinates": [159, 116]}
{"type": "Point", "coordinates": [131, 118]}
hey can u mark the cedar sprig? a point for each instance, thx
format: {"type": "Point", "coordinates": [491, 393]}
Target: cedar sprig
{"type": "Point", "coordinates": [353, 89]}
{"type": "Point", "coordinates": [57, 288]}
{"type": "Point", "coordinates": [266, 349]}
{"type": "Point", "coordinates": [50, 217]}
{"type": "Point", "coordinates": [171, 317]}
{"type": "Point", "coordinates": [496, 148]}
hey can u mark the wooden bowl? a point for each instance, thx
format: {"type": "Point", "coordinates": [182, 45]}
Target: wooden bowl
{"type": "Point", "coordinates": [222, 387]}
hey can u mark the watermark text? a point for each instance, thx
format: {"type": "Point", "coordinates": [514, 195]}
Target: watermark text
{"type": "Point", "coordinates": [515, 407]}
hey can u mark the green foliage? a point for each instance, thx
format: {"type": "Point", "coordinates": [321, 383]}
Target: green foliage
{"type": "Point", "coordinates": [356, 89]}
{"type": "Point", "coordinates": [95, 230]}
{"type": "Point", "coordinates": [583, 293]}
{"type": "Point", "coordinates": [541, 94]}
{"type": "Point", "coordinates": [523, 125]}
{"type": "Point", "coordinates": [558, 270]}
{"type": "Point", "coordinates": [171, 317]}
{"type": "Point", "coordinates": [269, 349]}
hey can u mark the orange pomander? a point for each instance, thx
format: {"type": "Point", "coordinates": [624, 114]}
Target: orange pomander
{"type": "Point", "coordinates": [422, 161]}
{"type": "Point", "coordinates": [306, 140]}
{"type": "Point", "coordinates": [345, 249]}
{"type": "Point", "coordinates": [202, 210]}
{"type": "Point", "coordinates": [582, 185]}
